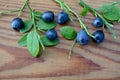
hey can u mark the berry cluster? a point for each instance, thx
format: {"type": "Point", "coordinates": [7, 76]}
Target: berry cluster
{"type": "Point", "coordinates": [84, 38]}
{"type": "Point", "coordinates": [62, 17]}
{"type": "Point", "coordinates": [48, 17]}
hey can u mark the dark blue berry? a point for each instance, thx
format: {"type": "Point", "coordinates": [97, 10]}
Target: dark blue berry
{"type": "Point", "coordinates": [99, 36]}
{"type": "Point", "coordinates": [17, 23]}
{"type": "Point", "coordinates": [62, 17]}
{"type": "Point", "coordinates": [48, 16]}
{"type": "Point", "coordinates": [83, 37]}
{"type": "Point", "coordinates": [51, 34]}
{"type": "Point", "coordinates": [98, 22]}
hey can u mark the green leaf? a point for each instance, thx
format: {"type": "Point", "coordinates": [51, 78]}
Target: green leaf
{"type": "Point", "coordinates": [46, 26]}
{"type": "Point", "coordinates": [110, 12]}
{"type": "Point", "coordinates": [38, 14]}
{"type": "Point", "coordinates": [119, 20]}
{"type": "Point", "coordinates": [27, 26]}
{"type": "Point", "coordinates": [48, 42]}
{"type": "Point", "coordinates": [71, 17]}
{"type": "Point", "coordinates": [84, 11]}
{"type": "Point", "coordinates": [23, 40]}
{"type": "Point", "coordinates": [68, 33]}
{"type": "Point", "coordinates": [33, 43]}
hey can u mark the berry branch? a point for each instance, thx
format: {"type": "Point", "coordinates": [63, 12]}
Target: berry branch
{"type": "Point", "coordinates": [97, 14]}
{"type": "Point", "coordinates": [65, 7]}
{"type": "Point", "coordinates": [71, 12]}
{"type": "Point", "coordinates": [34, 28]}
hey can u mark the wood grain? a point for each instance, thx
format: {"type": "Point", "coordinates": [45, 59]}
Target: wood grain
{"type": "Point", "coordinates": [90, 62]}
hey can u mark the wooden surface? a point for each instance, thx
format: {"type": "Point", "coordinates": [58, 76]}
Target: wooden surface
{"type": "Point", "coordinates": [90, 62]}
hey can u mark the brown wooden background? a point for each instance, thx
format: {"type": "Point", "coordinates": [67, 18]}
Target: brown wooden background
{"type": "Point", "coordinates": [90, 62]}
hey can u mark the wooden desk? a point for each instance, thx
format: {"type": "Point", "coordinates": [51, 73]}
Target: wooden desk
{"type": "Point", "coordinates": [90, 62]}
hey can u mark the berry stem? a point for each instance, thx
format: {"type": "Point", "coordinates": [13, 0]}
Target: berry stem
{"type": "Point", "coordinates": [13, 11]}
{"type": "Point", "coordinates": [97, 14]}
{"type": "Point", "coordinates": [8, 12]}
{"type": "Point", "coordinates": [70, 52]}
{"type": "Point", "coordinates": [118, 2]}
{"type": "Point", "coordinates": [23, 7]}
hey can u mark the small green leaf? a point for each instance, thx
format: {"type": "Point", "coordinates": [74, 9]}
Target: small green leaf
{"type": "Point", "coordinates": [119, 20]}
{"type": "Point", "coordinates": [68, 32]}
{"type": "Point", "coordinates": [23, 40]}
{"type": "Point", "coordinates": [71, 17]}
{"type": "Point", "coordinates": [46, 26]}
{"type": "Point", "coordinates": [110, 12]}
{"type": "Point", "coordinates": [33, 43]}
{"type": "Point", "coordinates": [38, 14]}
{"type": "Point", "coordinates": [111, 30]}
{"type": "Point", "coordinates": [84, 11]}
{"type": "Point", "coordinates": [27, 26]}
{"type": "Point", "coordinates": [48, 42]}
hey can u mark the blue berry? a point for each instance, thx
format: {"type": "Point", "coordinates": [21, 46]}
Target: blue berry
{"type": "Point", "coordinates": [17, 23]}
{"type": "Point", "coordinates": [48, 16]}
{"type": "Point", "coordinates": [62, 17]}
{"type": "Point", "coordinates": [98, 22]}
{"type": "Point", "coordinates": [99, 36]}
{"type": "Point", "coordinates": [83, 37]}
{"type": "Point", "coordinates": [51, 34]}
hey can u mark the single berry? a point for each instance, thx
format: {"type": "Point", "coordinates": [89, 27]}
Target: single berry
{"type": "Point", "coordinates": [98, 22]}
{"type": "Point", "coordinates": [51, 34]}
{"type": "Point", "coordinates": [99, 36]}
{"type": "Point", "coordinates": [62, 17]}
{"type": "Point", "coordinates": [17, 23]}
{"type": "Point", "coordinates": [83, 37]}
{"type": "Point", "coordinates": [48, 16]}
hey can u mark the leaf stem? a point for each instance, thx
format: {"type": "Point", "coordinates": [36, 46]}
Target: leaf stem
{"type": "Point", "coordinates": [96, 14]}
{"type": "Point", "coordinates": [32, 14]}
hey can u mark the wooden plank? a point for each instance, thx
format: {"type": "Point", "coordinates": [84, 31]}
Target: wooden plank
{"type": "Point", "coordinates": [90, 62]}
